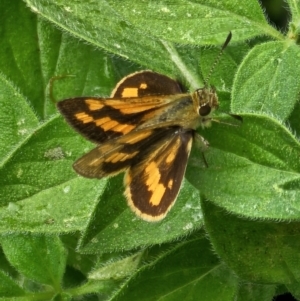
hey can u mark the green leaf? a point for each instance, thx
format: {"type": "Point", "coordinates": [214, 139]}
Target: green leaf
{"type": "Point", "coordinates": [17, 120]}
{"type": "Point", "coordinates": [190, 22]}
{"type": "Point", "coordinates": [204, 22]}
{"type": "Point", "coordinates": [293, 120]}
{"type": "Point", "coordinates": [257, 251]}
{"type": "Point", "coordinates": [253, 170]}
{"type": "Point", "coordinates": [9, 287]}
{"type": "Point", "coordinates": [116, 27]}
{"type": "Point", "coordinates": [19, 52]}
{"type": "Point", "coordinates": [48, 253]}
{"type": "Point", "coordinates": [184, 271]}
{"type": "Point", "coordinates": [47, 53]}
{"type": "Point", "coordinates": [62, 297]}
{"type": "Point", "coordinates": [103, 28]}
{"type": "Point", "coordinates": [267, 80]}
{"type": "Point", "coordinates": [252, 291]}
{"type": "Point", "coordinates": [117, 269]}
{"type": "Point", "coordinates": [114, 227]}
{"type": "Point", "coordinates": [78, 265]}
{"type": "Point", "coordinates": [294, 7]}
{"type": "Point", "coordinates": [39, 191]}
{"type": "Point", "coordinates": [294, 289]}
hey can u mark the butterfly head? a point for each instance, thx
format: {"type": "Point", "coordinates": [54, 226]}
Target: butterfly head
{"type": "Point", "coordinates": [205, 102]}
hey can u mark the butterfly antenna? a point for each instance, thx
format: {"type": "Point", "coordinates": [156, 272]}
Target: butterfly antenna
{"type": "Point", "coordinates": [217, 59]}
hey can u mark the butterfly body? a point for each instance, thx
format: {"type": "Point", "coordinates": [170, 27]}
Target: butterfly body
{"type": "Point", "coordinates": [146, 130]}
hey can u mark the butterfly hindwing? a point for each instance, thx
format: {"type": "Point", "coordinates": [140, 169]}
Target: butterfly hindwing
{"type": "Point", "coordinates": [152, 185]}
{"type": "Point", "coordinates": [115, 155]}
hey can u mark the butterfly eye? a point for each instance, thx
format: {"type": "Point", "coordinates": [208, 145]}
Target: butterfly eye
{"type": "Point", "coordinates": [204, 110]}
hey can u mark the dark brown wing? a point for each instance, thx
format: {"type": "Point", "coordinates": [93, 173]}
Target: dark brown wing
{"type": "Point", "coordinates": [101, 119]}
{"type": "Point", "coordinates": [152, 185]}
{"type": "Point", "coordinates": [145, 83]}
{"type": "Point", "coordinates": [155, 161]}
{"type": "Point", "coordinates": [114, 156]}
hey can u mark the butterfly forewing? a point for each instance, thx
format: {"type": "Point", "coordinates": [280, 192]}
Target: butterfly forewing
{"type": "Point", "coordinates": [146, 83]}
{"type": "Point", "coordinates": [100, 120]}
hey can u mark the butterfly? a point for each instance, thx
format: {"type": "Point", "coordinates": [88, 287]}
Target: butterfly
{"type": "Point", "coordinates": [145, 129]}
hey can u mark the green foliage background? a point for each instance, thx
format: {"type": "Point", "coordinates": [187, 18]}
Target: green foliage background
{"type": "Point", "coordinates": [233, 233]}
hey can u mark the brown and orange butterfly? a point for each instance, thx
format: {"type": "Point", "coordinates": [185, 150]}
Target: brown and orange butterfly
{"type": "Point", "coordinates": [145, 129]}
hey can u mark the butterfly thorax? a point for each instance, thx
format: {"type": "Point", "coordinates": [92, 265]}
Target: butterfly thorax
{"type": "Point", "coordinates": [205, 101]}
